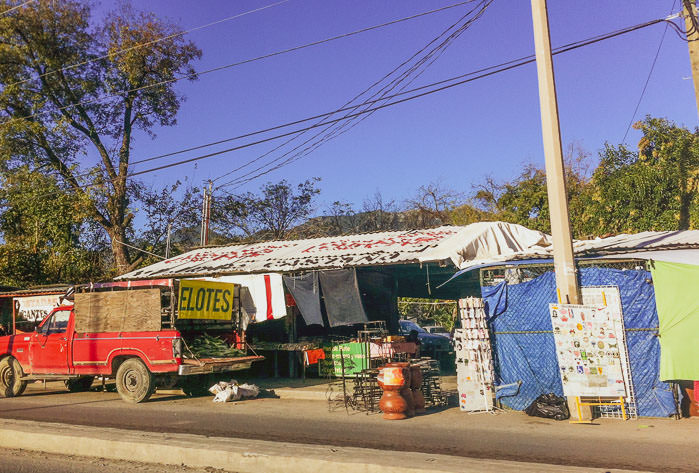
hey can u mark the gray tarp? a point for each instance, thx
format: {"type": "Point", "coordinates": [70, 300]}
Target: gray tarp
{"type": "Point", "coordinates": [343, 303]}
{"type": "Point", "coordinates": [306, 293]}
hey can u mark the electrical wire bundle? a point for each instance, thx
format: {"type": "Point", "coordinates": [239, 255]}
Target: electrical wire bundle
{"type": "Point", "coordinates": [363, 105]}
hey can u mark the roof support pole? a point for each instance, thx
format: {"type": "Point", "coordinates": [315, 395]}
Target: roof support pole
{"type": "Point", "coordinates": [564, 264]}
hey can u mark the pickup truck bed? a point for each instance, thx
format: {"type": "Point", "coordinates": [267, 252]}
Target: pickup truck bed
{"type": "Point", "coordinates": [216, 365]}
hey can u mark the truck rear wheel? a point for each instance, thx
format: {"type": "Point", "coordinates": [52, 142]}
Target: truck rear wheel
{"type": "Point", "coordinates": [10, 373]}
{"type": "Point", "coordinates": [134, 381]}
{"type": "Point", "coordinates": [79, 385]}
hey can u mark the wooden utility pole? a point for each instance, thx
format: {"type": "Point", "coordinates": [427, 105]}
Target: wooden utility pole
{"type": "Point", "coordinates": [206, 215]}
{"type": "Point", "coordinates": [564, 264]}
{"type": "Point", "coordinates": [690, 20]}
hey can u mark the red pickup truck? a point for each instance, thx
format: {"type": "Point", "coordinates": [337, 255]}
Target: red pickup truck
{"type": "Point", "coordinates": [140, 361]}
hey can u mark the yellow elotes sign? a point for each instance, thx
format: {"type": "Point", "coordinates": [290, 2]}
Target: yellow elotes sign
{"type": "Point", "coordinates": [205, 300]}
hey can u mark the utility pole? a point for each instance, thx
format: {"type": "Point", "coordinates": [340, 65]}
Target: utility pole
{"type": "Point", "coordinates": [167, 241]}
{"type": "Point", "coordinates": [690, 20]}
{"type": "Point", "coordinates": [206, 215]}
{"type": "Point", "coordinates": [564, 264]}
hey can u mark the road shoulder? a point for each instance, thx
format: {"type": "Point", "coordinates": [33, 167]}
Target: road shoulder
{"type": "Point", "coordinates": [239, 454]}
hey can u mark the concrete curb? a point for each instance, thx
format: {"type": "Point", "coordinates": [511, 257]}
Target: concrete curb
{"type": "Point", "coordinates": [241, 455]}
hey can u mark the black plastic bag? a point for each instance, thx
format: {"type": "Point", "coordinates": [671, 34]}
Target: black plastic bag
{"type": "Point", "coordinates": [549, 406]}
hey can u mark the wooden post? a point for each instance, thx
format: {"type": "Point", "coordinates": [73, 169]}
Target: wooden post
{"type": "Point", "coordinates": [564, 264]}
{"type": "Point", "coordinates": [690, 20]}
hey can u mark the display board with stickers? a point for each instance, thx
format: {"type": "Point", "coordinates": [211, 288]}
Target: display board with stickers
{"type": "Point", "coordinates": [474, 360]}
{"type": "Point", "coordinates": [590, 344]}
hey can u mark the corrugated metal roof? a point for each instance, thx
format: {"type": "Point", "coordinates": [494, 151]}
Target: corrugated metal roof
{"type": "Point", "coordinates": [639, 242]}
{"type": "Point", "coordinates": [447, 243]}
{"type": "Point", "coordinates": [625, 245]}
{"type": "Point", "coordinates": [36, 290]}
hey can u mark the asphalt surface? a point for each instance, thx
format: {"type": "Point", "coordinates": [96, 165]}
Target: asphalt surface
{"type": "Point", "coordinates": [24, 461]}
{"type": "Point", "coordinates": [646, 444]}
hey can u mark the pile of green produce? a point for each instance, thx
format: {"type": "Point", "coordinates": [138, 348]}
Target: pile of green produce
{"type": "Point", "coordinates": [207, 346]}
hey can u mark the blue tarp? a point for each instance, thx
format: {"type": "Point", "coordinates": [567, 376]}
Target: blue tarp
{"type": "Point", "coordinates": [524, 348]}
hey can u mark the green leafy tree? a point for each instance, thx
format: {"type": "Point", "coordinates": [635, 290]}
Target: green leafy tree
{"type": "Point", "coordinates": [46, 240]}
{"type": "Point", "coordinates": [524, 200]}
{"type": "Point", "coordinates": [654, 188]}
{"type": "Point", "coordinates": [629, 196]}
{"type": "Point", "coordinates": [429, 311]}
{"type": "Point", "coordinates": [675, 151]}
{"type": "Point", "coordinates": [82, 119]}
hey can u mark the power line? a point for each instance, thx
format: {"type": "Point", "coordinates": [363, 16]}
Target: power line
{"type": "Point", "coordinates": [381, 93]}
{"type": "Point", "coordinates": [444, 85]}
{"type": "Point", "coordinates": [235, 64]}
{"type": "Point", "coordinates": [650, 73]}
{"type": "Point", "coordinates": [147, 43]}
{"type": "Point", "coordinates": [499, 68]}
{"type": "Point", "coordinates": [321, 116]}
{"type": "Point", "coordinates": [15, 7]}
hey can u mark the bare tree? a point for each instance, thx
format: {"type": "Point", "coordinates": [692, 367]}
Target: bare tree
{"type": "Point", "coordinates": [432, 205]}
{"type": "Point", "coordinates": [379, 214]}
{"type": "Point", "coordinates": [270, 215]}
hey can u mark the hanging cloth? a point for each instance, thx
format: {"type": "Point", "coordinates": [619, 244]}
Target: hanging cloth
{"type": "Point", "coordinates": [343, 302]}
{"type": "Point", "coordinates": [675, 287]}
{"type": "Point", "coordinates": [306, 292]}
{"type": "Point", "coordinates": [311, 357]}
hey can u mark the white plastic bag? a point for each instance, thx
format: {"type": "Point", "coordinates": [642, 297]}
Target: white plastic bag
{"type": "Point", "coordinates": [249, 390]}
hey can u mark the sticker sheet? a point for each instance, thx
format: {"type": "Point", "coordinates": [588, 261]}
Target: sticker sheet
{"type": "Point", "coordinates": [474, 360]}
{"type": "Point", "coordinates": [588, 339]}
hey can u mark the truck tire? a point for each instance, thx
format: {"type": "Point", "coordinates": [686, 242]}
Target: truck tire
{"type": "Point", "coordinates": [134, 381]}
{"type": "Point", "coordinates": [79, 385]}
{"type": "Point", "coordinates": [10, 374]}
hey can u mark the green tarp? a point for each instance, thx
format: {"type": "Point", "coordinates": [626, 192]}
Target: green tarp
{"type": "Point", "coordinates": [677, 299]}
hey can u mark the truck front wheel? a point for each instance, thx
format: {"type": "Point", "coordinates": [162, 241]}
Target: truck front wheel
{"type": "Point", "coordinates": [134, 381]}
{"type": "Point", "coordinates": [11, 373]}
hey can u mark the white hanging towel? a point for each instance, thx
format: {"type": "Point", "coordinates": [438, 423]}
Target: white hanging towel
{"type": "Point", "coordinates": [261, 295]}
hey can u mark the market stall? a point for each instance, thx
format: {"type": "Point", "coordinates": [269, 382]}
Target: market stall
{"type": "Point", "coordinates": [320, 293]}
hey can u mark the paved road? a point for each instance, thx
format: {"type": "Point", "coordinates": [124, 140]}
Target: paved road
{"type": "Point", "coordinates": [658, 445]}
{"type": "Point", "coordinates": [23, 461]}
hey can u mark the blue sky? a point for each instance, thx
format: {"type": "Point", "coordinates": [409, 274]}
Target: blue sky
{"type": "Point", "coordinates": [457, 137]}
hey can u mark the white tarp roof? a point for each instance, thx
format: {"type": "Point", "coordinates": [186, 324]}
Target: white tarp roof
{"type": "Point", "coordinates": [670, 246]}
{"type": "Point", "coordinates": [460, 245]}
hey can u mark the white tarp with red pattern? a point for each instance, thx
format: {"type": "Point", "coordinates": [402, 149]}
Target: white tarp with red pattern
{"type": "Point", "coordinates": [460, 245]}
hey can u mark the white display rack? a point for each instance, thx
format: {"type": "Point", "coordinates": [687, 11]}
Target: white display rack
{"type": "Point", "coordinates": [474, 360]}
{"type": "Point", "coordinates": [611, 297]}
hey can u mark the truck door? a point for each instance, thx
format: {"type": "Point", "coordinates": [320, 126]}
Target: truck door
{"type": "Point", "coordinates": [48, 349]}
